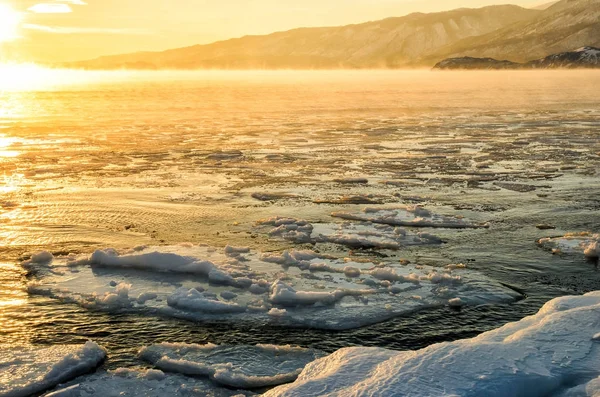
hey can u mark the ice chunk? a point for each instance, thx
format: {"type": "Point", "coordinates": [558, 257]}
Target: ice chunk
{"type": "Point", "coordinates": [586, 243]}
{"type": "Point", "coordinates": [244, 367]}
{"type": "Point", "coordinates": [537, 356]}
{"type": "Point", "coordinates": [315, 290]}
{"type": "Point", "coordinates": [149, 383]}
{"type": "Point", "coordinates": [356, 235]}
{"type": "Point", "coordinates": [145, 297]}
{"type": "Point", "coordinates": [42, 257]}
{"type": "Point", "coordinates": [284, 295]}
{"type": "Point", "coordinates": [196, 301]}
{"type": "Point", "coordinates": [30, 370]}
{"type": "Point", "coordinates": [408, 216]}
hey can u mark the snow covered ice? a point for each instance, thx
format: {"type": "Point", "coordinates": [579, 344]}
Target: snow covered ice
{"type": "Point", "coordinates": [245, 367]}
{"type": "Point", "coordinates": [125, 382]}
{"type": "Point", "coordinates": [290, 288]}
{"type": "Point", "coordinates": [416, 216]}
{"type": "Point", "coordinates": [553, 353]}
{"type": "Point", "coordinates": [575, 243]}
{"type": "Point", "coordinates": [29, 370]}
{"type": "Point", "coordinates": [351, 234]}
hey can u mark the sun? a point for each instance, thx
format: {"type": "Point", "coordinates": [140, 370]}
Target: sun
{"type": "Point", "coordinates": [9, 23]}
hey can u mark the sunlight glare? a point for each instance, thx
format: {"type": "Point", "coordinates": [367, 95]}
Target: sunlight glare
{"type": "Point", "coordinates": [9, 23]}
{"type": "Point", "coordinates": [26, 77]}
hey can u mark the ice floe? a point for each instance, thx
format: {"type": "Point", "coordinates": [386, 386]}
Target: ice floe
{"type": "Point", "coordinates": [574, 243]}
{"type": "Point", "coordinates": [553, 353]}
{"type": "Point", "coordinates": [238, 285]}
{"type": "Point", "coordinates": [148, 383]}
{"type": "Point", "coordinates": [30, 370]}
{"type": "Point", "coordinates": [351, 234]}
{"type": "Point", "coordinates": [408, 216]}
{"type": "Point", "coordinates": [244, 367]}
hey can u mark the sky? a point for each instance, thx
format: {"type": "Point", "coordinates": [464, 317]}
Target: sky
{"type": "Point", "coordinates": [66, 30]}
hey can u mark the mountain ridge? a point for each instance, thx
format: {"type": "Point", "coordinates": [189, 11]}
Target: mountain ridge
{"type": "Point", "coordinates": [414, 40]}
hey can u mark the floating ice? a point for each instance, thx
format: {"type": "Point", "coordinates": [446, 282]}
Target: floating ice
{"type": "Point", "coordinates": [30, 370]}
{"type": "Point", "coordinates": [586, 243]}
{"type": "Point", "coordinates": [244, 367]}
{"type": "Point", "coordinates": [150, 383]}
{"type": "Point", "coordinates": [352, 181]}
{"type": "Point", "coordinates": [356, 235]}
{"type": "Point", "coordinates": [408, 216]}
{"type": "Point", "coordinates": [291, 288]}
{"type": "Point", "coordinates": [552, 353]}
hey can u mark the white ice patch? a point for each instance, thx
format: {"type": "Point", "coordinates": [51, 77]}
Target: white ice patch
{"type": "Point", "coordinates": [579, 243]}
{"type": "Point", "coordinates": [244, 367]}
{"type": "Point", "coordinates": [291, 288]}
{"type": "Point", "coordinates": [538, 356]}
{"type": "Point", "coordinates": [150, 383]}
{"type": "Point", "coordinates": [416, 216]}
{"type": "Point", "coordinates": [355, 235]}
{"type": "Point", "coordinates": [30, 370]}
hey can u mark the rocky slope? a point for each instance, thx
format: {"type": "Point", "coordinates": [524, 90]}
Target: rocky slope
{"type": "Point", "coordinates": [585, 57]}
{"type": "Point", "coordinates": [562, 27]}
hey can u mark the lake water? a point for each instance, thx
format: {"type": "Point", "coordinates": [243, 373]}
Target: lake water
{"type": "Point", "coordinates": [123, 159]}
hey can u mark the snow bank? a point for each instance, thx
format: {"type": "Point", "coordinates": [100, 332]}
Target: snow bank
{"type": "Point", "coordinates": [29, 370]}
{"type": "Point", "coordinates": [574, 243]}
{"type": "Point", "coordinates": [355, 235]}
{"type": "Point", "coordinates": [244, 367]}
{"type": "Point", "coordinates": [150, 383]}
{"type": "Point", "coordinates": [408, 216]}
{"type": "Point", "coordinates": [552, 353]}
{"type": "Point", "coordinates": [288, 289]}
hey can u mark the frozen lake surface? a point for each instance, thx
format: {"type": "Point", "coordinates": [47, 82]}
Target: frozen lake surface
{"type": "Point", "coordinates": [317, 209]}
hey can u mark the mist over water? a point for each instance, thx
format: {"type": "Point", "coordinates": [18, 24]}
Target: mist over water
{"type": "Point", "coordinates": [119, 159]}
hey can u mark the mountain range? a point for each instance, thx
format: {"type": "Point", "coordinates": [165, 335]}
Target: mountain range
{"type": "Point", "coordinates": [416, 40]}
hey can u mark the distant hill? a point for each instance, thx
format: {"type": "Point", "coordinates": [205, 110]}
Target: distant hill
{"type": "Point", "coordinates": [416, 40]}
{"type": "Point", "coordinates": [585, 57]}
{"type": "Point", "coordinates": [392, 42]}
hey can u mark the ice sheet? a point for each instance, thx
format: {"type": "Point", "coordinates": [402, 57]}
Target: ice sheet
{"type": "Point", "coordinates": [290, 288]}
{"type": "Point", "coordinates": [351, 234]}
{"type": "Point", "coordinates": [244, 367]}
{"type": "Point", "coordinates": [150, 383]}
{"type": "Point", "coordinates": [541, 355]}
{"type": "Point", "coordinates": [29, 370]}
{"type": "Point", "coordinates": [408, 216]}
{"type": "Point", "coordinates": [585, 243]}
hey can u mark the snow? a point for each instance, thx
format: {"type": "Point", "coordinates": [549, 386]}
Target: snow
{"type": "Point", "coordinates": [149, 383]}
{"type": "Point", "coordinates": [552, 353]}
{"type": "Point", "coordinates": [196, 301]}
{"type": "Point", "coordinates": [590, 389]}
{"type": "Point", "coordinates": [416, 216]}
{"type": "Point", "coordinates": [361, 235]}
{"type": "Point", "coordinates": [291, 288]}
{"type": "Point", "coordinates": [244, 367]}
{"type": "Point", "coordinates": [284, 295]}
{"type": "Point", "coordinates": [29, 370]}
{"type": "Point", "coordinates": [586, 243]}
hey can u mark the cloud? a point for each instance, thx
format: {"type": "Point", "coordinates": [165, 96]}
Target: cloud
{"type": "Point", "coordinates": [50, 8]}
{"type": "Point", "coordinates": [83, 30]}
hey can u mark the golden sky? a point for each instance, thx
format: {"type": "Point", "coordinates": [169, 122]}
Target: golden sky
{"type": "Point", "coordinates": [61, 30]}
